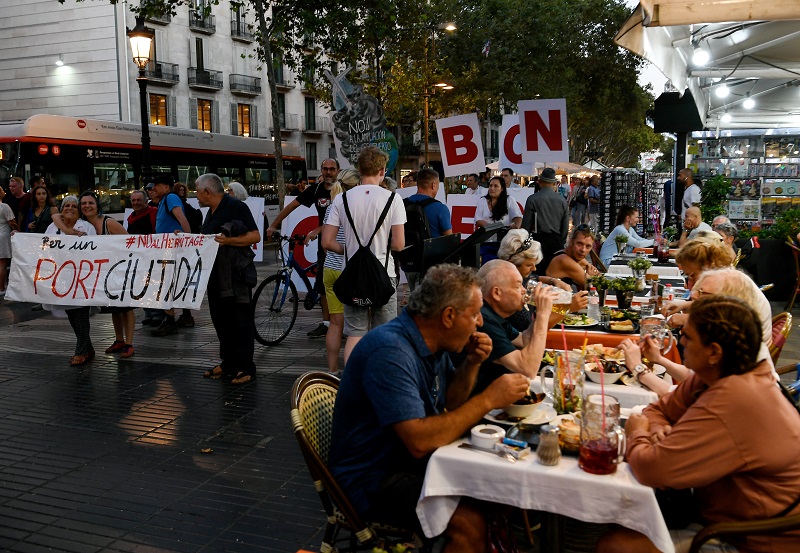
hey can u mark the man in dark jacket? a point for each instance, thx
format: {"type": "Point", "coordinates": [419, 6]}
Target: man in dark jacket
{"type": "Point", "coordinates": [229, 287]}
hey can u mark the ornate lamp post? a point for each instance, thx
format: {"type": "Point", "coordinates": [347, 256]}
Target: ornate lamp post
{"type": "Point", "coordinates": [141, 38]}
{"type": "Point", "coordinates": [429, 91]}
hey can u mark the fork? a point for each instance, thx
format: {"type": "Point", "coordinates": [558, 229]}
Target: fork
{"type": "Point", "coordinates": [502, 454]}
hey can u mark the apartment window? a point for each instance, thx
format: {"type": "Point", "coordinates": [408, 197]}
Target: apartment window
{"type": "Point", "coordinates": [204, 115]}
{"type": "Point", "coordinates": [158, 109]}
{"type": "Point", "coordinates": [282, 109]}
{"type": "Point", "coordinates": [311, 112]}
{"type": "Point", "coordinates": [311, 154]}
{"type": "Point", "coordinates": [308, 77]}
{"type": "Point", "coordinates": [244, 120]}
{"type": "Point", "coordinates": [278, 68]}
{"type": "Point", "coordinates": [199, 54]}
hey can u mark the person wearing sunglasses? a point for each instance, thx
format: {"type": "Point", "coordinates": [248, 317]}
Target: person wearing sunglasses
{"type": "Point", "coordinates": [627, 219]}
{"type": "Point", "coordinates": [570, 264]}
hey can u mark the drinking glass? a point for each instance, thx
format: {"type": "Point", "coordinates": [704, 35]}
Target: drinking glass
{"type": "Point", "coordinates": [656, 326]}
{"type": "Point", "coordinates": [566, 391]}
{"type": "Point", "coordinates": [602, 438]}
{"type": "Point", "coordinates": [561, 303]}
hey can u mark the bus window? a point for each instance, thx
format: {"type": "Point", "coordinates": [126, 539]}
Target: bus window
{"type": "Point", "coordinates": [260, 182]}
{"type": "Point", "coordinates": [229, 174]}
{"type": "Point", "coordinates": [159, 169]}
{"type": "Point", "coordinates": [63, 184]}
{"type": "Point", "coordinates": [113, 182]}
{"type": "Point", "coordinates": [188, 174]}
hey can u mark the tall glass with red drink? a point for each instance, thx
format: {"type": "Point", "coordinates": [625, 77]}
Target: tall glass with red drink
{"type": "Point", "coordinates": [602, 439]}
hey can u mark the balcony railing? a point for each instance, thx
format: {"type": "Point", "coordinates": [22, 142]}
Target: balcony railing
{"type": "Point", "coordinates": [202, 24]}
{"type": "Point", "coordinates": [315, 124]}
{"type": "Point", "coordinates": [162, 72]}
{"type": "Point", "coordinates": [289, 122]}
{"type": "Point", "coordinates": [241, 32]}
{"type": "Point", "coordinates": [205, 79]}
{"type": "Point", "coordinates": [281, 82]}
{"type": "Point", "coordinates": [245, 84]}
{"type": "Point", "coordinates": [161, 19]}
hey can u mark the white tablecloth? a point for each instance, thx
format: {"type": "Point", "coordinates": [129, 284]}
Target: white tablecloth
{"type": "Point", "coordinates": [563, 489]}
{"type": "Point", "coordinates": [672, 271]}
{"type": "Point", "coordinates": [628, 396]}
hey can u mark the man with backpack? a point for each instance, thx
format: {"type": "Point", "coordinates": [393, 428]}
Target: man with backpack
{"type": "Point", "coordinates": [370, 216]}
{"type": "Point", "coordinates": [426, 217]}
{"type": "Point", "coordinates": [169, 218]}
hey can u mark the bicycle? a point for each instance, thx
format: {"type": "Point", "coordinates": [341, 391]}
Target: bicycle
{"type": "Point", "coordinates": [275, 300]}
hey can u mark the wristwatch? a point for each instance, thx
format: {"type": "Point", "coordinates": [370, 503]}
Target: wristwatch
{"type": "Point", "coordinates": [639, 369]}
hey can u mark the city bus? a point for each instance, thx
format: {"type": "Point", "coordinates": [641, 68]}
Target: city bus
{"type": "Point", "coordinates": [77, 154]}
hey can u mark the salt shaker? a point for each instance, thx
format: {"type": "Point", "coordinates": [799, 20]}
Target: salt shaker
{"type": "Point", "coordinates": [548, 451]}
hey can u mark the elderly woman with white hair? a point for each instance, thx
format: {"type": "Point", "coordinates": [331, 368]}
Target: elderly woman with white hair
{"type": "Point", "coordinates": [524, 252]}
{"type": "Point", "coordinates": [236, 190]}
{"type": "Point", "coordinates": [727, 282]}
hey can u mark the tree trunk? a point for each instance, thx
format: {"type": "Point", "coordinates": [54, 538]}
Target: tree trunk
{"type": "Point", "coordinates": [273, 92]}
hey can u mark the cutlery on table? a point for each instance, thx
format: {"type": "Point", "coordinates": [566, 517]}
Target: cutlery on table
{"type": "Point", "coordinates": [502, 454]}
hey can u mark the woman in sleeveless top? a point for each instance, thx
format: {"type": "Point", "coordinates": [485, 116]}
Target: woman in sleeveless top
{"type": "Point", "coordinates": [41, 212]}
{"type": "Point", "coordinates": [122, 317]}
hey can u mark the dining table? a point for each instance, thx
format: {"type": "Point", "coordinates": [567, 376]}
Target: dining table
{"type": "Point", "coordinates": [558, 491]}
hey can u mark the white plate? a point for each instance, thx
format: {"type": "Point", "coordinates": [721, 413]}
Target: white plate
{"type": "Point", "coordinates": [543, 413]}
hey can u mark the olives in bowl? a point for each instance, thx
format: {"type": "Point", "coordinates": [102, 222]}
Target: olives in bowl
{"type": "Point", "coordinates": [524, 406]}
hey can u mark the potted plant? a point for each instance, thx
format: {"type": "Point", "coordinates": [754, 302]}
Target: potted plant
{"type": "Point", "coordinates": [624, 288]}
{"type": "Point", "coordinates": [601, 283]}
{"type": "Point", "coordinates": [621, 241]}
{"type": "Point", "coordinates": [639, 266]}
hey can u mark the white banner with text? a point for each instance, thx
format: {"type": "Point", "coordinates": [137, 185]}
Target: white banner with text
{"type": "Point", "coordinates": [156, 270]}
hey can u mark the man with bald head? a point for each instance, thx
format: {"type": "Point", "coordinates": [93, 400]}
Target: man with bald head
{"type": "Point", "coordinates": [692, 224]}
{"type": "Point", "coordinates": [512, 351]}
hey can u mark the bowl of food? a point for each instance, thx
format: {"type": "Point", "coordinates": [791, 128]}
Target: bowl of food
{"type": "Point", "coordinates": [525, 406]}
{"type": "Point", "coordinates": [604, 372]}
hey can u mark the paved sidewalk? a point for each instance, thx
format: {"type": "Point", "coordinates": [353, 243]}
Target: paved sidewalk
{"type": "Point", "coordinates": [109, 457]}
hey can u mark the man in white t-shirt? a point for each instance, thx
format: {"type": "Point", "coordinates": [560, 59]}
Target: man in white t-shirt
{"type": "Point", "coordinates": [691, 194]}
{"type": "Point", "coordinates": [473, 187]}
{"type": "Point", "coordinates": [366, 202]}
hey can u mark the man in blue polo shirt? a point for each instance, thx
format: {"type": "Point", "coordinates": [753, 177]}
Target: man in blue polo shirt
{"type": "Point", "coordinates": [169, 219]}
{"type": "Point", "coordinates": [435, 211]}
{"type": "Point", "coordinates": [400, 398]}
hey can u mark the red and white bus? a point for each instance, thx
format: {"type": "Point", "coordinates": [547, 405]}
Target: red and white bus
{"type": "Point", "coordinates": [76, 154]}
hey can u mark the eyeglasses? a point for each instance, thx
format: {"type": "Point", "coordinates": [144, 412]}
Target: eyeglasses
{"type": "Point", "coordinates": [526, 245]}
{"type": "Point", "coordinates": [699, 292]}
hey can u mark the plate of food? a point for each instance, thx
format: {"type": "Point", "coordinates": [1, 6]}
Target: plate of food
{"type": "Point", "coordinates": [576, 320]}
{"type": "Point", "coordinates": [624, 315]}
{"type": "Point", "coordinates": [626, 326]}
{"type": "Point", "coordinates": [569, 437]}
{"type": "Point", "coordinates": [543, 413]}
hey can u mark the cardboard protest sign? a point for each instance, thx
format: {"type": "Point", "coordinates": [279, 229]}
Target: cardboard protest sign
{"type": "Point", "coordinates": [543, 126]}
{"type": "Point", "coordinates": [460, 142]}
{"type": "Point", "coordinates": [151, 270]}
{"type": "Point", "coordinates": [511, 147]}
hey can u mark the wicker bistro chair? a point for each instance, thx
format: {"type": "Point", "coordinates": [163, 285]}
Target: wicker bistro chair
{"type": "Point", "coordinates": [312, 400]}
{"type": "Point", "coordinates": [796, 254]}
{"type": "Point", "coordinates": [781, 326]}
{"type": "Point", "coordinates": [773, 526]}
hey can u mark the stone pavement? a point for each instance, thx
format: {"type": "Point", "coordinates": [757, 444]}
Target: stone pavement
{"type": "Point", "coordinates": [109, 457]}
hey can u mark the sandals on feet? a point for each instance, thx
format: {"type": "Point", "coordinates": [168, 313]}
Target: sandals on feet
{"type": "Point", "coordinates": [242, 378]}
{"type": "Point", "coordinates": [116, 347]}
{"type": "Point", "coordinates": [214, 373]}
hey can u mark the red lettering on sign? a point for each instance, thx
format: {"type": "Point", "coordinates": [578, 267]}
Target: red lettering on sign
{"type": "Point", "coordinates": [459, 137]}
{"type": "Point", "coordinates": [508, 145]}
{"type": "Point", "coordinates": [43, 149]}
{"type": "Point", "coordinates": [462, 219]}
{"type": "Point", "coordinates": [81, 124]}
{"type": "Point", "coordinates": [56, 150]}
{"type": "Point", "coordinates": [37, 276]}
{"type": "Point", "coordinates": [535, 127]}
{"type": "Point", "coordinates": [58, 274]}
{"type": "Point", "coordinates": [304, 227]}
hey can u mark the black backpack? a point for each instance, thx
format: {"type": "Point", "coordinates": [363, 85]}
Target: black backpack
{"type": "Point", "coordinates": [364, 282]}
{"type": "Point", "coordinates": [417, 227]}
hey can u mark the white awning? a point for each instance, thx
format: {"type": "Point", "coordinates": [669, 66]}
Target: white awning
{"type": "Point", "coordinates": [753, 45]}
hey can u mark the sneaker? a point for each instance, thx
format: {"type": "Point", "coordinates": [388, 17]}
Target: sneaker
{"type": "Point", "coordinates": [185, 321]}
{"type": "Point", "coordinates": [127, 351]}
{"type": "Point", "coordinates": [167, 327]}
{"type": "Point", "coordinates": [318, 332]}
{"type": "Point", "coordinates": [149, 321]}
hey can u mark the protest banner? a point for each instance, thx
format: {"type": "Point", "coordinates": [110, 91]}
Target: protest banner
{"type": "Point", "coordinates": [543, 125]}
{"type": "Point", "coordinates": [462, 209]}
{"type": "Point", "coordinates": [460, 141]}
{"type": "Point", "coordinates": [152, 270]}
{"type": "Point", "coordinates": [511, 147]}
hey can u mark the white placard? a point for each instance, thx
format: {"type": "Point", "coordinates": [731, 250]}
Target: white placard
{"type": "Point", "coordinates": [543, 125]}
{"type": "Point", "coordinates": [151, 270]}
{"type": "Point", "coordinates": [460, 142]}
{"type": "Point", "coordinates": [511, 147]}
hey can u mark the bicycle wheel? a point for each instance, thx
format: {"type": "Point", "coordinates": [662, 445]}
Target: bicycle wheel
{"type": "Point", "coordinates": [274, 309]}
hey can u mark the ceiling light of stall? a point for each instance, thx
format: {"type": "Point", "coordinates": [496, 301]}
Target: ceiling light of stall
{"type": "Point", "coordinates": [60, 60]}
{"type": "Point", "coordinates": [748, 103]}
{"type": "Point", "coordinates": [726, 117]}
{"type": "Point", "coordinates": [700, 56]}
{"type": "Point", "coordinates": [722, 89]}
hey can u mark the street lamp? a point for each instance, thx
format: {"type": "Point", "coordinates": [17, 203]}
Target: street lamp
{"type": "Point", "coordinates": [141, 38]}
{"type": "Point", "coordinates": [428, 92]}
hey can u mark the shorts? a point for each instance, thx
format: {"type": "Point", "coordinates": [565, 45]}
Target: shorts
{"type": "Point", "coordinates": [360, 320]}
{"type": "Point", "coordinates": [329, 276]}
{"type": "Point", "coordinates": [683, 541]}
